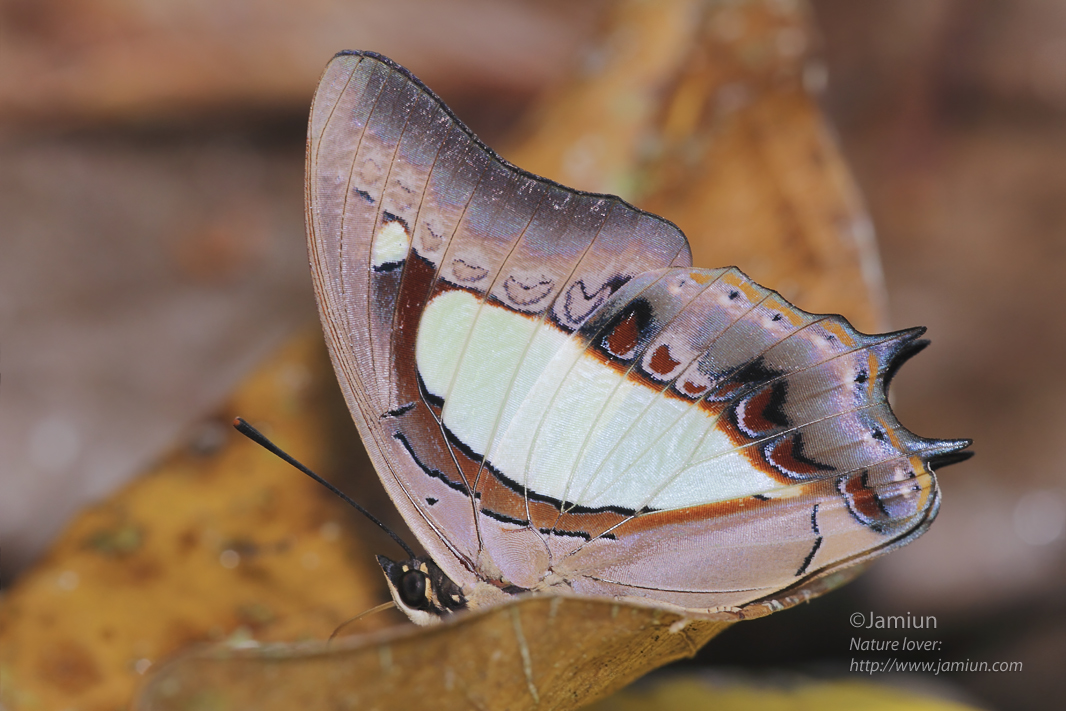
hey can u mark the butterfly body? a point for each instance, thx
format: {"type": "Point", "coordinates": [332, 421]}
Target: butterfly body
{"type": "Point", "coordinates": [557, 401]}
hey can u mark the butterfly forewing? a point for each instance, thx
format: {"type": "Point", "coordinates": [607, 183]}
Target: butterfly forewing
{"type": "Point", "coordinates": [553, 396]}
{"type": "Point", "coordinates": [418, 235]}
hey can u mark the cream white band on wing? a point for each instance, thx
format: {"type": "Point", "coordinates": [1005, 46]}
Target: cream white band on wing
{"type": "Point", "coordinates": [551, 416]}
{"type": "Point", "coordinates": [390, 244]}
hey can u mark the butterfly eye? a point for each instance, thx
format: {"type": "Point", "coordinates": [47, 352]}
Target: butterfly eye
{"type": "Point", "coordinates": [412, 589]}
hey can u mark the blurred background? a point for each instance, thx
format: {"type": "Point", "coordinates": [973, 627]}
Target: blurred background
{"type": "Point", "coordinates": [151, 253]}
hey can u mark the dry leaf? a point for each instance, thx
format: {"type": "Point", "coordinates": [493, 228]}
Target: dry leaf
{"type": "Point", "coordinates": [692, 108]}
{"type": "Point", "coordinates": [541, 652]}
{"type": "Point", "coordinates": [221, 539]}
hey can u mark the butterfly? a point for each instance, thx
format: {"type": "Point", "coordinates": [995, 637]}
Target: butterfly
{"type": "Point", "coordinates": [558, 402]}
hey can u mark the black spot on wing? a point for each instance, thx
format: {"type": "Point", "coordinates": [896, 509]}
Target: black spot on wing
{"type": "Point", "coordinates": [403, 409]}
{"type": "Point", "coordinates": [388, 267]}
{"type": "Point", "coordinates": [732, 384]}
{"type": "Point", "coordinates": [756, 372]}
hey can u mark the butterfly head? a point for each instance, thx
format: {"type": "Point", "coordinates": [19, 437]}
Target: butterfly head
{"type": "Point", "coordinates": [421, 589]}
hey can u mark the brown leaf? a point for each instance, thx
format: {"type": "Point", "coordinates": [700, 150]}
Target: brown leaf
{"type": "Point", "coordinates": [540, 652]}
{"type": "Point", "coordinates": [691, 108]}
{"type": "Point", "coordinates": [220, 539]}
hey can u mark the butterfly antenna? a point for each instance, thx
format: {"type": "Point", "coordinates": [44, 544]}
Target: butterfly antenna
{"type": "Point", "coordinates": [361, 615]}
{"type": "Point", "coordinates": [259, 438]}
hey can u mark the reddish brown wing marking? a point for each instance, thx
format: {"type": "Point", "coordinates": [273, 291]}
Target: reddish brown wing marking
{"type": "Point", "coordinates": [773, 405]}
{"type": "Point", "coordinates": [406, 206]}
